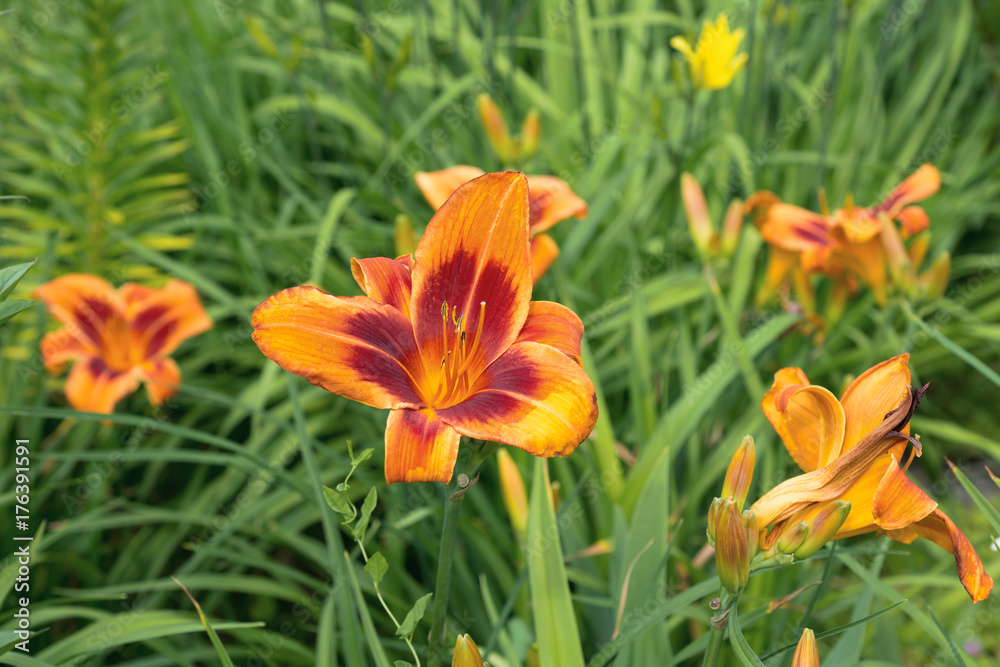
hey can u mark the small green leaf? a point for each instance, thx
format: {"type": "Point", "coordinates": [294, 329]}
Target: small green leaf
{"type": "Point", "coordinates": [377, 567]}
{"type": "Point", "coordinates": [409, 623]}
{"type": "Point", "coordinates": [366, 514]}
{"type": "Point", "coordinates": [9, 309]}
{"type": "Point", "coordinates": [362, 457]}
{"type": "Point", "coordinates": [11, 276]}
{"type": "Point", "coordinates": [338, 502]}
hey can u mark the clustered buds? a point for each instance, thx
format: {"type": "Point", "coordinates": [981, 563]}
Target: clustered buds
{"type": "Point", "coordinates": [801, 539]}
{"type": "Point", "coordinates": [512, 150]}
{"type": "Point", "coordinates": [732, 530]}
{"type": "Point", "coordinates": [707, 240]}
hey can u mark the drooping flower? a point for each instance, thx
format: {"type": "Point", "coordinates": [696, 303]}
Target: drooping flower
{"type": "Point", "coordinates": [550, 201]}
{"type": "Point", "coordinates": [713, 61]}
{"type": "Point", "coordinates": [118, 338]}
{"type": "Point", "coordinates": [850, 450]}
{"type": "Point", "coordinates": [448, 340]}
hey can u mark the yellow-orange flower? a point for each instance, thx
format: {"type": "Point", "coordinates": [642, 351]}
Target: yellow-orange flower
{"type": "Point", "coordinates": [713, 61]}
{"type": "Point", "coordinates": [850, 450]}
{"type": "Point", "coordinates": [118, 338]}
{"type": "Point", "coordinates": [448, 340]}
{"type": "Point", "coordinates": [550, 201]}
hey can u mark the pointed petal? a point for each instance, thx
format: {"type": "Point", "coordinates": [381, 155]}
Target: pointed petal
{"type": "Point", "coordinates": [419, 447]}
{"type": "Point", "coordinates": [162, 378]}
{"type": "Point", "coordinates": [918, 186]}
{"type": "Point", "coordinates": [813, 427]}
{"type": "Point", "coordinates": [88, 305]}
{"type": "Point", "coordinates": [94, 387]}
{"type": "Point", "coordinates": [351, 346]}
{"type": "Point", "coordinates": [437, 186]}
{"type": "Point", "coordinates": [474, 252]}
{"type": "Point", "coordinates": [874, 394]}
{"type": "Point", "coordinates": [551, 200]}
{"type": "Point", "coordinates": [533, 397]}
{"type": "Point", "coordinates": [938, 528]}
{"type": "Point", "coordinates": [913, 220]}
{"type": "Point", "coordinates": [544, 252]}
{"type": "Point", "coordinates": [385, 280]}
{"type": "Point", "coordinates": [60, 346]}
{"type": "Point", "coordinates": [794, 228]}
{"type": "Point", "coordinates": [786, 382]}
{"type": "Point", "coordinates": [899, 502]}
{"type": "Point", "coordinates": [553, 324]}
{"type": "Point", "coordinates": [867, 260]}
{"type": "Point", "coordinates": [780, 265]}
{"type": "Point", "coordinates": [162, 319]}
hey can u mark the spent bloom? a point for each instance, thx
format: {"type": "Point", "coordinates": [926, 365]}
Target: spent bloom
{"type": "Point", "coordinates": [713, 61]}
{"type": "Point", "coordinates": [448, 340]}
{"type": "Point", "coordinates": [118, 338]}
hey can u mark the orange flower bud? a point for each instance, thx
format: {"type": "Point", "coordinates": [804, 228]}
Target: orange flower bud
{"type": "Point", "coordinates": [740, 473]}
{"type": "Point", "coordinates": [405, 237]}
{"type": "Point", "coordinates": [732, 226]}
{"type": "Point", "coordinates": [806, 654]}
{"type": "Point", "coordinates": [824, 526]}
{"type": "Point", "coordinates": [937, 276]}
{"type": "Point", "coordinates": [696, 211]}
{"type": "Point", "coordinates": [515, 499]}
{"type": "Point", "coordinates": [753, 531]}
{"type": "Point", "coordinates": [713, 515]}
{"type": "Point", "coordinates": [894, 251]}
{"type": "Point", "coordinates": [466, 653]}
{"type": "Point", "coordinates": [531, 132]}
{"type": "Point", "coordinates": [496, 128]}
{"type": "Point", "coordinates": [732, 549]}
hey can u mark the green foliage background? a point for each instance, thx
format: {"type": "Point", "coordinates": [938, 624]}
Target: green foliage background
{"type": "Point", "coordinates": [247, 146]}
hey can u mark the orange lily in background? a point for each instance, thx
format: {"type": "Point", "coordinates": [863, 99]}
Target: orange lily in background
{"type": "Point", "coordinates": [118, 338]}
{"type": "Point", "coordinates": [550, 201]}
{"type": "Point", "coordinates": [850, 450]}
{"type": "Point", "coordinates": [448, 340]}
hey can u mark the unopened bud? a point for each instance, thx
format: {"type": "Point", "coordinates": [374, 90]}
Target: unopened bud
{"type": "Point", "coordinates": [405, 237]}
{"type": "Point", "coordinates": [531, 133]}
{"type": "Point", "coordinates": [515, 499]}
{"type": "Point", "coordinates": [823, 527]}
{"type": "Point", "coordinates": [792, 537]}
{"type": "Point", "coordinates": [495, 127]}
{"type": "Point", "coordinates": [713, 515]}
{"type": "Point", "coordinates": [753, 531]}
{"type": "Point", "coordinates": [696, 211]}
{"type": "Point", "coordinates": [806, 654]}
{"type": "Point", "coordinates": [466, 653]}
{"type": "Point", "coordinates": [732, 226]}
{"type": "Point", "coordinates": [732, 550]}
{"type": "Point", "coordinates": [836, 304]}
{"type": "Point", "coordinates": [894, 251]}
{"type": "Point", "coordinates": [917, 250]}
{"type": "Point", "coordinates": [937, 280]}
{"type": "Point", "coordinates": [740, 473]}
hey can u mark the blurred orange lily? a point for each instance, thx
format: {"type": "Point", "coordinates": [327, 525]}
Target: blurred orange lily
{"type": "Point", "coordinates": [449, 340]}
{"type": "Point", "coordinates": [850, 450]}
{"type": "Point", "coordinates": [550, 201]}
{"type": "Point", "coordinates": [118, 338]}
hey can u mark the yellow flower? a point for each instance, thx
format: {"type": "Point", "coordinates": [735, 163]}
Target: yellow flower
{"type": "Point", "coordinates": [713, 62]}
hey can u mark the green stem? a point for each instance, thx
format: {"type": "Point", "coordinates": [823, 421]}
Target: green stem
{"type": "Point", "coordinates": [717, 634]}
{"type": "Point", "coordinates": [453, 504]}
{"type": "Point", "coordinates": [750, 377]}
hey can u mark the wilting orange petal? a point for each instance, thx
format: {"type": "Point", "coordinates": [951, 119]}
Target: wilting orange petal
{"type": "Point", "coordinates": [473, 258]}
{"type": "Point", "coordinates": [914, 220]}
{"type": "Point", "coordinates": [437, 186]}
{"type": "Point", "coordinates": [351, 346]}
{"type": "Point", "coordinates": [60, 346]}
{"type": "Point", "coordinates": [419, 447]}
{"type": "Point", "coordinates": [938, 528]}
{"type": "Point", "coordinates": [94, 387]}
{"type": "Point", "coordinates": [553, 324]}
{"type": "Point", "coordinates": [543, 252]}
{"type": "Point", "coordinates": [551, 200]}
{"type": "Point", "coordinates": [806, 653]}
{"type": "Point", "coordinates": [813, 427]}
{"type": "Point", "coordinates": [384, 280]}
{"type": "Point", "coordinates": [86, 304]}
{"type": "Point", "coordinates": [899, 502]}
{"type": "Point", "coordinates": [533, 397]}
{"type": "Point", "coordinates": [874, 394]}
{"type": "Point", "coordinates": [162, 319]}
{"type": "Point", "coordinates": [780, 265]}
{"type": "Point", "coordinates": [794, 228]}
{"type": "Point", "coordinates": [162, 378]}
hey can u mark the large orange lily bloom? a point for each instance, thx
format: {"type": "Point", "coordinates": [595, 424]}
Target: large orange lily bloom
{"type": "Point", "coordinates": [448, 340]}
{"type": "Point", "coordinates": [850, 450]}
{"type": "Point", "coordinates": [550, 201]}
{"type": "Point", "coordinates": [118, 338]}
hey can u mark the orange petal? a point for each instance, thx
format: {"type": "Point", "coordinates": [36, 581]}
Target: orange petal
{"type": "Point", "coordinates": [696, 212]}
{"type": "Point", "coordinates": [533, 397]}
{"type": "Point", "coordinates": [806, 653]}
{"type": "Point", "coordinates": [867, 260]}
{"type": "Point", "coordinates": [543, 252]}
{"type": "Point", "coordinates": [794, 228]}
{"type": "Point", "coordinates": [60, 346]}
{"type": "Point", "coordinates": [813, 427]}
{"type": "Point", "coordinates": [780, 265]}
{"type": "Point", "coordinates": [473, 260]}
{"type": "Point", "coordinates": [94, 387]}
{"type": "Point", "coordinates": [162, 319]}
{"type": "Point", "coordinates": [786, 382]}
{"type": "Point", "coordinates": [419, 447]}
{"type": "Point", "coordinates": [551, 200]}
{"type": "Point", "coordinates": [351, 346]}
{"type": "Point", "coordinates": [385, 280]}
{"type": "Point", "coordinates": [938, 528]}
{"type": "Point", "coordinates": [858, 224]}
{"type": "Point", "coordinates": [88, 305]}
{"type": "Point", "coordinates": [918, 186]}
{"type": "Point", "coordinates": [553, 324]}
{"type": "Point", "coordinates": [437, 186]}
{"type": "Point", "coordinates": [899, 502]}
{"type": "Point", "coordinates": [862, 493]}
{"type": "Point", "coordinates": [874, 394]}
{"type": "Point", "coordinates": [162, 377]}
{"type": "Point", "coordinates": [914, 220]}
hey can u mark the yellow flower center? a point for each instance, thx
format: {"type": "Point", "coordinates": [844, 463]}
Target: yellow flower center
{"type": "Point", "coordinates": [454, 382]}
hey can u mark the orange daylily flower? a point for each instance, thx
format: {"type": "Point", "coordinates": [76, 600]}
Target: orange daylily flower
{"type": "Point", "coordinates": [551, 201]}
{"type": "Point", "coordinates": [850, 450]}
{"type": "Point", "coordinates": [118, 338]}
{"type": "Point", "coordinates": [448, 340]}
